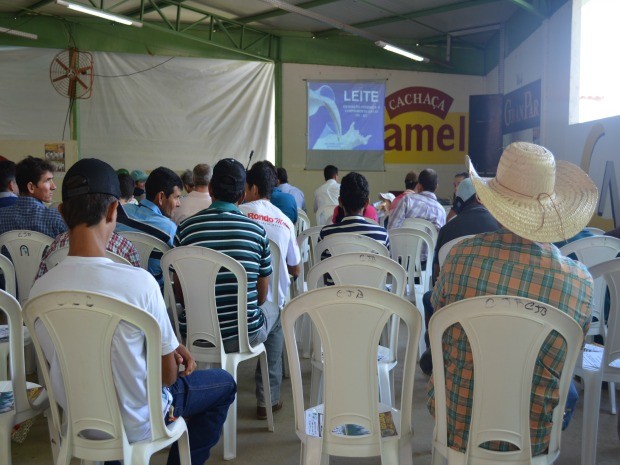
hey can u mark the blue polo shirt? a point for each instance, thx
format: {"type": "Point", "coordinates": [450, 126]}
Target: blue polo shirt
{"type": "Point", "coordinates": [285, 202]}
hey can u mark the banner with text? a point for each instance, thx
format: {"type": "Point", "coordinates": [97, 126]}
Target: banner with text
{"type": "Point", "coordinates": [345, 124]}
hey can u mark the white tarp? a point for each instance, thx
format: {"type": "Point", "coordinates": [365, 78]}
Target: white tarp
{"type": "Point", "coordinates": [186, 111]}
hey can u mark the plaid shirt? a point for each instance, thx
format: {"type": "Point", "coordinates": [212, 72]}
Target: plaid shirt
{"type": "Point", "coordinates": [31, 214]}
{"type": "Point", "coordinates": [117, 244]}
{"type": "Point", "coordinates": [501, 262]}
{"type": "Point", "coordinates": [421, 205]}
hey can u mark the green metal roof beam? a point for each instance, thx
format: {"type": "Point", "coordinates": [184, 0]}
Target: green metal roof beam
{"type": "Point", "coordinates": [147, 9]}
{"type": "Point", "coordinates": [34, 7]}
{"type": "Point", "coordinates": [529, 8]}
{"type": "Point", "coordinates": [279, 12]}
{"type": "Point", "coordinates": [163, 17]}
{"type": "Point", "coordinates": [411, 15]}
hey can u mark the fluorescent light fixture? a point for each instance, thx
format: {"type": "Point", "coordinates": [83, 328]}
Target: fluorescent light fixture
{"type": "Point", "coordinates": [401, 51]}
{"type": "Point", "coordinates": [102, 14]}
{"type": "Point", "coordinates": [14, 32]}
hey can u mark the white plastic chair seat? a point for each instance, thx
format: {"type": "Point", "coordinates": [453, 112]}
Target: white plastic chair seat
{"type": "Point", "coordinates": [60, 254]}
{"type": "Point", "coordinates": [423, 225]}
{"type": "Point", "coordinates": [340, 243]}
{"type": "Point", "coordinates": [145, 244]}
{"type": "Point", "coordinates": [196, 269]}
{"type": "Point", "coordinates": [447, 247]}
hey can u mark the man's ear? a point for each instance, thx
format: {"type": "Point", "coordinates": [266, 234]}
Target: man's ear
{"type": "Point", "coordinates": [210, 190]}
{"type": "Point", "coordinates": [366, 203]}
{"type": "Point", "coordinates": [242, 198]}
{"type": "Point", "coordinates": [31, 187]}
{"type": "Point", "coordinates": [110, 214]}
{"type": "Point", "coordinates": [340, 201]}
{"type": "Point", "coordinates": [159, 198]}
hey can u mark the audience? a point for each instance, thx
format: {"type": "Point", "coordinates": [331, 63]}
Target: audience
{"type": "Point", "coordinates": [411, 180]}
{"type": "Point", "coordinates": [8, 186]}
{"type": "Point", "coordinates": [285, 202]}
{"type": "Point", "coordinates": [127, 187]}
{"type": "Point", "coordinates": [198, 198]}
{"type": "Point", "coordinates": [139, 177]}
{"type": "Point", "coordinates": [537, 200]}
{"type": "Point", "coordinates": [90, 198]}
{"type": "Point", "coordinates": [223, 227]}
{"type": "Point", "coordinates": [327, 193]}
{"type": "Point", "coordinates": [287, 188]}
{"type": "Point", "coordinates": [259, 183]}
{"type": "Point", "coordinates": [188, 180]}
{"type": "Point", "coordinates": [35, 180]}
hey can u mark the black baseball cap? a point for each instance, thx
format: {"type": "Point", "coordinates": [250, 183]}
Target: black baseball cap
{"type": "Point", "coordinates": [229, 175]}
{"type": "Point", "coordinates": [90, 176]}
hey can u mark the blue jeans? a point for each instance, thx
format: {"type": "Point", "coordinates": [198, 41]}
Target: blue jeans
{"type": "Point", "coordinates": [272, 336]}
{"type": "Point", "coordinates": [202, 399]}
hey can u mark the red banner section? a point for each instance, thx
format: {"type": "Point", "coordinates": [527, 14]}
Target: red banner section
{"type": "Point", "coordinates": [424, 99]}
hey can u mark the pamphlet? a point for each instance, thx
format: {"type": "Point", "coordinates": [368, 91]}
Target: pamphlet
{"type": "Point", "coordinates": [314, 425]}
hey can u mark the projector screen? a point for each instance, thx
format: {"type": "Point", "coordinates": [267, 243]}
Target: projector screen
{"type": "Point", "coordinates": [345, 124]}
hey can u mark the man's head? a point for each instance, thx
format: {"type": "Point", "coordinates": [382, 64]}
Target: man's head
{"type": "Point", "coordinates": [465, 195]}
{"type": "Point", "coordinates": [411, 180]}
{"type": "Point", "coordinates": [260, 181]}
{"type": "Point", "coordinates": [90, 192]}
{"type": "Point", "coordinates": [163, 187]}
{"type": "Point", "coordinates": [7, 177]}
{"type": "Point", "coordinates": [139, 177]}
{"type": "Point", "coordinates": [458, 178]}
{"type": "Point", "coordinates": [282, 176]}
{"type": "Point", "coordinates": [427, 181]}
{"type": "Point", "coordinates": [35, 178]}
{"type": "Point", "coordinates": [228, 181]}
{"type": "Point", "coordinates": [127, 186]}
{"type": "Point", "coordinates": [187, 178]}
{"type": "Point", "coordinates": [536, 196]}
{"type": "Point", "coordinates": [330, 172]}
{"type": "Point", "coordinates": [202, 175]}
{"type": "Point", "coordinates": [354, 193]}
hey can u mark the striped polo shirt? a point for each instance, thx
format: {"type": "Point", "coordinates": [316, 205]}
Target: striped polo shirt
{"type": "Point", "coordinates": [224, 228]}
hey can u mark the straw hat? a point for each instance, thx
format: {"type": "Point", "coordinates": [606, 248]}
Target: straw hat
{"type": "Point", "coordinates": [535, 196]}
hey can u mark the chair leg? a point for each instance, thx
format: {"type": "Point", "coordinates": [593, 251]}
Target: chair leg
{"type": "Point", "coordinates": [385, 390]}
{"type": "Point", "coordinates": [229, 431]}
{"type": "Point", "coordinates": [6, 426]}
{"type": "Point", "coordinates": [54, 435]}
{"type": "Point", "coordinates": [316, 376]}
{"type": "Point", "coordinates": [266, 389]}
{"type": "Point", "coordinates": [612, 397]}
{"type": "Point", "coordinates": [184, 452]}
{"type": "Point", "coordinates": [591, 405]}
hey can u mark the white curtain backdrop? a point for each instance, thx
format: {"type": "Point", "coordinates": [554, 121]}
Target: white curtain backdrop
{"type": "Point", "coordinates": [178, 114]}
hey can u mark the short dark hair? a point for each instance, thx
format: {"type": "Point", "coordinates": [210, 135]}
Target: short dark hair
{"type": "Point", "coordinates": [262, 175]}
{"type": "Point", "coordinates": [164, 180]}
{"type": "Point", "coordinates": [463, 175]}
{"type": "Point", "coordinates": [329, 172]}
{"type": "Point", "coordinates": [428, 179]}
{"type": "Point", "coordinates": [354, 192]}
{"type": "Point", "coordinates": [411, 180]}
{"type": "Point", "coordinates": [85, 209]}
{"type": "Point", "coordinates": [7, 174]}
{"type": "Point", "coordinates": [282, 175]}
{"type": "Point", "coordinates": [202, 174]}
{"type": "Point", "coordinates": [30, 169]}
{"type": "Point", "coordinates": [127, 185]}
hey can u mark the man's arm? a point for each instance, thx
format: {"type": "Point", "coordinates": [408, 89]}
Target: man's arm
{"type": "Point", "coordinates": [293, 270]}
{"type": "Point", "coordinates": [262, 285]}
{"type": "Point", "coordinates": [169, 369]}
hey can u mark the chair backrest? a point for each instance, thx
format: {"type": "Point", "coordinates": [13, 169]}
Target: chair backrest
{"type": "Point", "coordinates": [197, 269]}
{"type": "Point", "coordinates": [424, 225]}
{"type": "Point", "coordinates": [406, 247]}
{"type": "Point", "coordinates": [591, 251]}
{"type": "Point", "coordinates": [610, 272]}
{"type": "Point", "coordinates": [81, 326]}
{"type": "Point", "coordinates": [17, 365]}
{"type": "Point", "coordinates": [145, 244]}
{"type": "Point", "coordinates": [324, 215]}
{"type": "Point", "coordinates": [349, 320]}
{"type": "Point", "coordinates": [26, 249]}
{"type": "Point", "coordinates": [274, 279]}
{"type": "Point", "coordinates": [306, 240]}
{"type": "Point", "coordinates": [445, 249]}
{"type": "Point", "coordinates": [303, 222]}
{"type": "Point", "coordinates": [59, 255]}
{"type": "Point", "coordinates": [503, 331]}
{"type": "Point", "coordinates": [8, 270]}
{"type": "Point", "coordinates": [340, 243]}
{"type": "Point", "coordinates": [595, 231]}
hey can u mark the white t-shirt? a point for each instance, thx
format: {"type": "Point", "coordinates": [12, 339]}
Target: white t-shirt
{"type": "Point", "coordinates": [130, 284]}
{"type": "Point", "coordinates": [191, 204]}
{"type": "Point", "coordinates": [279, 229]}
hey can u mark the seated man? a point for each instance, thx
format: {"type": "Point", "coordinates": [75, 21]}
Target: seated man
{"type": "Point", "coordinates": [537, 200]}
{"type": "Point", "coordinates": [35, 180]}
{"type": "Point", "coordinates": [287, 188]}
{"type": "Point", "coordinates": [90, 195]}
{"type": "Point", "coordinates": [260, 181]}
{"type": "Point", "coordinates": [8, 185]}
{"type": "Point", "coordinates": [199, 198]}
{"type": "Point", "coordinates": [328, 192]}
{"type": "Point", "coordinates": [224, 228]}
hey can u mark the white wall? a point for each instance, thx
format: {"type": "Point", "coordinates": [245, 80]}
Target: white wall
{"type": "Point", "coordinates": [294, 122]}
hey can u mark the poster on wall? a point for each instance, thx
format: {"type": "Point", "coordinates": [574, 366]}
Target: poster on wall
{"type": "Point", "coordinates": [345, 124]}
{"type": "Point", "coordinates": [421, 129]}
{"type": "Point", "coordinates": [521, 114]}
{"type": "Point", "coordinates": [55, 154]}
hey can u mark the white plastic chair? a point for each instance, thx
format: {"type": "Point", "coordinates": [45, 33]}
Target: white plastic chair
{"type": "Point", "coordinates": [599, 364]}
{"type": "Point", "coordinates": [406, 247]}
{"type": "Point", "coordinates": [349, 320]}
{"type": "Point", "coordinates": [361, 269]}
{"type": "Point", "coordinates": [503, 332]}
{"type": "Point", "coordinates": [26, 249]}
{"type": "Point", "coordinates": [81, 326]}
{"type": "Point", "coordinates": [22, 409]}
{"type": "Point", "coordinates": [303, 222]}
{"type": "Point", "coordinates": [60, 254]}
{"type": "Point", "coordinates": [324, 215]}
{"type": "Point", "coordinates": [145, 244]}
{"type": "Point", "coordinates": [340, 243]}
{"type": "Point", "coordinates": [595, 231]}
{"type": "Point", "coordinates": [6, 266]}
{"type": "Point", "coordinates": [424, 225]}
{"type": "Point", "coordinates": [447, 247]}
{"type": "Point", "coordinates": [196, 269]}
